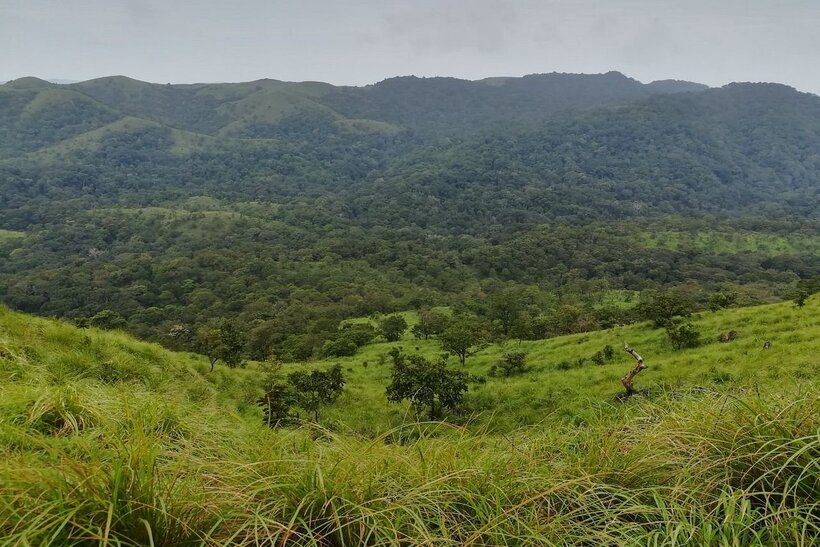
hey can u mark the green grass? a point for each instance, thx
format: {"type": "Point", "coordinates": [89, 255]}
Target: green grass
{"type": "Point", "coordinates": [184, 142]}
{"type": "Point", "coordinates": [9, 235]}
{"type": "Point", "coordinates": [105, 440]}
{"type": "Point", "coordinates": [733, 242]}
{"type": "Point", "coordinates": [547, 392]}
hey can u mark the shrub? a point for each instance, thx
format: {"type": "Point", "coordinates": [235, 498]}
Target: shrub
{"type": "Point", "coordinates": [682, 334]}
{"type": "Point", "coordinates": [512, 363]}
{"type": "Point", "coordinates": [430, 386]}
{"type": "Point", "coordinates": [339, 348]}
{"type": "Point", "coordinates": [392, 327]}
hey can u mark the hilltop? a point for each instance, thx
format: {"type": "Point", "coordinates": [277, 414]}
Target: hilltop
{"type": "Point", "coordinates": [268, 108]}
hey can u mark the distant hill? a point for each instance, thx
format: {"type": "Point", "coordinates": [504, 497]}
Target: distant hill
{"type": "Point", "coordinates": [741, 146]}
{"type": "Point", "coordinates": [291, 206]}
{"type": "Point", "coordinates": [272, 109]}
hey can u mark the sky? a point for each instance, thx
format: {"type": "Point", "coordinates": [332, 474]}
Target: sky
{"type": "Point", "coordinates": [356, 42]}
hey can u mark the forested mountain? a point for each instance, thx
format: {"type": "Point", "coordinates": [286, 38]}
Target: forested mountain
{"type": "Point", "coordinates": [276, 109]}
{"type": "Point", "coordinates": [288, 207]}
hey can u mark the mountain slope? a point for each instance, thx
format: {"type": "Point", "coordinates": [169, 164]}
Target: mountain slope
{"type": "Point", "coordinates": [38, 114]}
{"type": "Point", "coordinates": [446, 105]}
{"type": "Point", "coordinates": [276, 109]}
{"type": "Point", "coordinates": [740, 147]}
{"type": "Point", "coordinates": [314, 215]}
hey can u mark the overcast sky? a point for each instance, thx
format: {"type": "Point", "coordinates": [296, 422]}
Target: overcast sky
{"type": "Point", "coordinates": [364, 41]}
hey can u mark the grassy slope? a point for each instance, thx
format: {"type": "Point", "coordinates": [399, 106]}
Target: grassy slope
{"type": "Point", "coordinates": [8, 235]}
{"type": "Point", "coordinates": [575, 394]}
{"type": "Point", "coordinates": [107, 440]}
{"type": "Point", "coordinates": [732, 242]}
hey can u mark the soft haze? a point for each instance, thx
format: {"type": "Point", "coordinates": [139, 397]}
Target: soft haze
{"type": "Point", "coordinates": [364, 41]}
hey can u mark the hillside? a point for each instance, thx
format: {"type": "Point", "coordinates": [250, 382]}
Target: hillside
{"type": "Point", "coordinates": [122, 441]}
{"type": "Point", "coordinates": [564, 383]}
{"type": "Point", "coordinates": [294, 206]}
{"type": "Point", "coordinates": [36, 113]}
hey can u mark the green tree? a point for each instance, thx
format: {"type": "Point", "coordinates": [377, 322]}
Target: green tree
{"type": "Point", "coordinates": [512, 363]}
{"type": "Point", "coordinates": [339, 348]}
{"type": "Point", "coordinates": [722, 299]}
{"type": "Point", "coordinates": [463, 338]}
{"type": "Point", "coordinates": [661, 306]}
{"type": "Point", "coordinates": [431, 323]}
{"type": "Point", "coordinates": [221, 341]}
{"type": "Point", "coordinates": [279, 396]}
{"type": "Point", "coordinates": [506, 306]}
{"type": "Point", "coordinates": [682, 333]}
{"type": "Point", "coordinates": [800, 295]}
{"type": "Point", "coordinates": [430, 386]}
{"type": "Point", "coordinates": [316, 389]}
{"type": "Point", "coordinates": [392, 327]}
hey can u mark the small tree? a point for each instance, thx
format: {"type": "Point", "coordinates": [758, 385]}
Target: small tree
{"type": "Point", "coordinates": [340, 347]}
{"type": "Point", "coordinates": [661, 307]}
{"type": "Point", "coordinates": [722, 299]}
{"type": "Point", "coordinates": [318, 388]}
{"type": "Point", "coordinates": [506, 306]}
{"type": "Point", "coordinates": [800, 295]}
{"type": "Point", "coordinates": [392, 327]}
{"type": "Point", "coordinates": [512, 363]}
{"type": "Point", "coordinates": [682, 334]}
{"type": "Point", "coordinates": [430, 386]}
{"type": "Point", "coordinates": [222, 341]}
{"type": "Point", "coordinates": [462, 338]}
{"type": "Point", "coordinates": [602, 356]}
{"type": "Point", "coordinates": [279, 396]}
{"type": "Point", "coordinates": [431, 323]}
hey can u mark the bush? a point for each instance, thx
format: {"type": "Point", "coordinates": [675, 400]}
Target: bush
{"type": "Point", "coordinates": [107, 319]}
{"type": "Point", "coordinates": [339, 348]}
{"type": "Point", "coordinates": [662, 307]}
{"type": "Point", "coordinates": [392, 327]}
{"type": "Point", "coordinates": [512, 363]}
{"type": "Point", "coordinates": [682, 334]}
{"type": "Point", "coordinates": [430, 386]}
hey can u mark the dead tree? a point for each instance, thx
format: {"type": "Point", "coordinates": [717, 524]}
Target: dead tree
{"type": "Point", "coordinates": [627, 380]}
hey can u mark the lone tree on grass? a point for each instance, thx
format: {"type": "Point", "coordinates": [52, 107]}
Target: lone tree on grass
{"type": "Point", "coordinates": [108, 320]}
{"type": "Point", "coordinates": [511, 363]}
{"type": "Point", "coordinates": [430, 386]}
{"type": "Point", "coordinates": [661, 307]}
{"type": "Point", "coordinates": [430, 323]}
{"type": "Point", "coordinates": [462, 338]}
{"type": "Point", "coordinates": [313, 390]}
{"type": "Point", "coordinates": [221, 341]}
{"type": "Point", "coordinates": [682, 333]}
{"type": "Point", "coordinates": [800, 295]}
{"type": "Point", "coordinates": [279, 396]}
{"type": "Point", "coordinates": [392, 327]}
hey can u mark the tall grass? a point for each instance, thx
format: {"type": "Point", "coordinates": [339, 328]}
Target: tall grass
{"type": "Point", "coordinates": [107, 441]}
{"type": "Point", "coordinates": [705, 469]}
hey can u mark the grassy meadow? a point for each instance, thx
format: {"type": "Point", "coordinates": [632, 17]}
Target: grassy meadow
{"type": "Point", "coordinates": [8, 235]}
{"type": "Point", "coordinates": [105, 440]}
{"type": "Point", "coordinates": [550, 390]}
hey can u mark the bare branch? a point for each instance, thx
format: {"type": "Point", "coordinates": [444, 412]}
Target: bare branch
{"type": "Point", "coordinates": [627, 380]}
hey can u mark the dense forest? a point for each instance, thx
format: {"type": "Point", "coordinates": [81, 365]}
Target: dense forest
{"type": "Point", "coordinates": [287, 208]}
